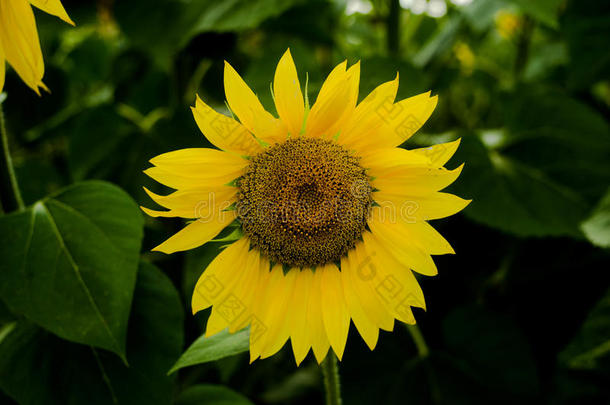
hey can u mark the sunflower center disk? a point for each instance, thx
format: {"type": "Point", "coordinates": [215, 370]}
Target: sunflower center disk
{"type": "Point", "coordinates": [305, 202]}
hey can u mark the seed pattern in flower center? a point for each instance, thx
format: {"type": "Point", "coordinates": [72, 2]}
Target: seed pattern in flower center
{"type": "Point", "coordinates": [304, 202]}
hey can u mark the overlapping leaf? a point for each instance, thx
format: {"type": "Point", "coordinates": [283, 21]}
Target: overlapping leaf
{"type": "Point", "coordinates": [69, 263]}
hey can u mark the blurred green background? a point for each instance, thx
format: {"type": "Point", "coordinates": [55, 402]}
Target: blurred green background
{"type": "Point", "coordinates": [520, 315]}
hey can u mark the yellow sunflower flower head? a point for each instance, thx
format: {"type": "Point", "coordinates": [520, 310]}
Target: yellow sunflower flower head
{"type": "Point", "coordinates": [19, 43]}
{"type": "Point", "coordinates": [332, 216]}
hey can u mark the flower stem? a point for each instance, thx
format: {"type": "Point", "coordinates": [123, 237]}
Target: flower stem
{"type": "Point", "coordinates": [10, 196]}
{"type": "Point", "coordinates": [418, 339]}
{"type": "Point", "coordinates": [523, 46]}
{"type": "Point", "coordinates": [423, 352]}
{"type": "Point", "coordinates": [332, 386]}
{"type": "Point", "coordinates": [393, 28]}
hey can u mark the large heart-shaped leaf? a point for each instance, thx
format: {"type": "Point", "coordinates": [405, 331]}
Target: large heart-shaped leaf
{"type": "Point", "coordinates": [586, 27]}
{"type": "Point", "coordinates": [206, 349]}
{"type": "Point", "coordinates": [69, 263]}
{"type": "Point", "coordinates": [541, 175]}
{"type": "Point", "coordinates": [37, 367]}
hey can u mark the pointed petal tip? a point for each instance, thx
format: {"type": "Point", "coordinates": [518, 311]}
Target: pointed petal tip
{"type": "Point", "coordinates": [161, 249]}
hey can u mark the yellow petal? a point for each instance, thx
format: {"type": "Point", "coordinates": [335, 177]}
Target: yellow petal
{"type": "Point", "coordinates": [405, 251]}
{"type": "Point", "coordinates": [376, 159]}
{"type": "Point", "coordinates": [299, 331]}
{"type": "Point", "coordinates": [224, 132]}
{"type": "Point", "coordinates": [212, 281]}
{"type": "Point", "coordinates": [406, 117]}
{"type": "Point", "coordinates": [266, 312]}
{"type": "Point", "coordinates": [200, 168]}
{"type": "Point", "coordinates": [391, 124]}
{"type": "Point", "coordinates": [366, 119]}
{"type": "Point", "coordinates": [331, 104]}
{"type": "Point", "coordinates": [216, 322]}
{"type": "Point", "coordinates": [287, 93]}
{"type": "Point", "coordinates": [252, 297]}
{"type": "Point", "coordinates": [396, 285]}
{"type": "Point", "coordinates": [364, 280]}
{"type": "Point", "coordinates": [247, 291]}
{"type": "Point", "coordinates": [414, 208]}
{"type": "Point", "coordinates": [249, 110]}
{"type": "Point", "coordinates": [420, 234]}
{"type": "Point", "coordinates": [258, 330]}
{"type": "Point", "coordinates": [197, 233]}
{"type": "Point", "coordinates": [20, 41]}
{"type": "Point", "coordinates": [414, 180]}
{"type": "Point", "coordinates": [187, 179]}
{"type": "Point", "coordinates": [365, 326]}
{"type": "Point", "coordinates": [277, 321]}
{"type": "Point", "coordinates": [52, 7]}
{"type": "Point", "coordinates": [232, 303]}
{"type": "Point", "coordinates": [439, 154]}
{"type": "Point", "coordinates": [315, 324]}
{"type": "Point", "coordinates": [335, 315]}
{"type": "Point", "coordinates": [352, 84]}
{"type": "Point", "coordinates": [193, 203]}
{"type": "Point", "coordinates": [198, 159]}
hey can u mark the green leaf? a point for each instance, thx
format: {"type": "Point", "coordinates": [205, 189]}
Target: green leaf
{"type": "Point", "coordinates": [597, 227]}
{"type": "Point", "coordinates": [37, 367]}
{"type": "Point", "coordinates": [514, 197]}
{"type": "Point", "coordinates": [586, 27]}
{"type": "Point", "coordinates": [206, 349]}
{"type": "Point", "coordinates": [590, 349]}
{"type": "Point", "coordinates": [69, 263]}
{"type": "Point", "coordinates": [100, 126]}
{"type": "Point", "coordinates": [439, 43]}
{"type": "Point", "coordinates": [235, 15]}
{"type": "Point", "coordinates": [541, 175]}
{"type": "Point", "coordinates": [190, 18]}
{"type": "Point", "coordinates": [207, 394]}
{"type": "Point", "coordinates": [481, 14]}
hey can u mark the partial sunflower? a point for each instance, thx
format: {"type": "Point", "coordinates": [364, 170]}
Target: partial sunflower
{"type": "Point", "coordinates": [19, 43]}
{"type": "Point", "coordinates": [331, 216]}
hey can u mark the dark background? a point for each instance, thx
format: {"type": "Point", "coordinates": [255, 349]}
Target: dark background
{"type": "Point", "coordinates": [521, 314]}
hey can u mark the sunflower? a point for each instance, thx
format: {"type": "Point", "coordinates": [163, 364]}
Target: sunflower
{"type": "Point", "coordinates": [328, 215]}
{"type": "Point", "coordinates": [19, 43]}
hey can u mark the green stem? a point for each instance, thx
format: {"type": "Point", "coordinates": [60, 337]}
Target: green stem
{"type": "Point", "coordinates": [394, 28]}
{"type": "Point", "coordinates": [332, 386]}
{"type": "Point", "coordinates": [423, 352]}
{"type": "Point", "coordinates": [523, 46]}
{"type": "Point", "coordinates": [418, 339]}
{"type": "Point", "coordinates": [10, 196]}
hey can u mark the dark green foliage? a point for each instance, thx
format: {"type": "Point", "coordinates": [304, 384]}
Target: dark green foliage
{"type": "Point", "coordinates": [88, 315]}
